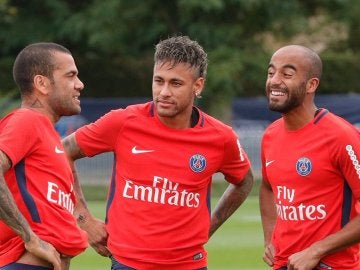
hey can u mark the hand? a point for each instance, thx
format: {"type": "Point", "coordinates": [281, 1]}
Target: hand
{"type": "Point", "coordinates": [303, 260]}
{"type": "Point", "coordinates": [43, 250]}
{"type": "Point", "coordinates": [97, 235]}
{"type": "Point", "coordinates": [269, 254]}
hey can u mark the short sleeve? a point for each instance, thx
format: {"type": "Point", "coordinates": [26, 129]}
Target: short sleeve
{"type": "Point", "coordinates": [101, 135]}
{"type": "Point", "coordinates": [18, 136]}
{"type": "Point", "coordinates": [236, 162]}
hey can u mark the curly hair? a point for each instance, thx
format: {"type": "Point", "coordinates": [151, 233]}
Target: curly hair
{"type": "Point", "coordinates": [181, 49]}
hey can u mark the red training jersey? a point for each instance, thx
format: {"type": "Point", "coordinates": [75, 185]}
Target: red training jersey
{"type": "Point", "coordinates": [41, 183]}
{"type": "Point", "coordinates": [314, 173]}
{"type": "Point", "coordinates": [158, 211]}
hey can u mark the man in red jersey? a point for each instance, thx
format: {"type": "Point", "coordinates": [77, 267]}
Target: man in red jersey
{"type": "Point", "coordinates": [311, 172]}
{"type": "Point", "coordinates": [37, 227]}
{"type": "Point", "coordinates": [166, 152]}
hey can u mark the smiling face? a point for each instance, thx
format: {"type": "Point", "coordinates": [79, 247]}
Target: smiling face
{"type": "Point", "coordinates": [65, 86]}
{"type": "Point", "coordinates": [286, 84]}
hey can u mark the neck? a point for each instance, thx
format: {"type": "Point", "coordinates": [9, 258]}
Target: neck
{"type": "Point", "coordinates": [36, 105]}
{"type": "Point", "coordinates": [299, 117]}
{"type": "Point", "coordinates": [176, 122]}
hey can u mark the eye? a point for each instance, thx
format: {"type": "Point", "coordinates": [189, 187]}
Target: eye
{"type": "Point", "coordinates": [288, 74]}
{"type": "Point", "coordinates": [158, 80]}
{"type": "Point", "coordinates": [176, 83]}
{"type": "Point", "coordinates": [72, 74]}
{"type": "Point", "coordinates": [270, 73]}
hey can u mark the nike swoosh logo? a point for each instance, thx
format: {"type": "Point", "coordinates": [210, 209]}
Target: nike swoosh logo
{"type": "Point", "coordinates": [267, 163]}
{"type": "Point", "coordinates": [140, 151]}
{"type": "Point", "coordinates": [58, 151]}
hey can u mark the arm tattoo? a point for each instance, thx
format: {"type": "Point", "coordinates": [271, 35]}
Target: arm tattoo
{"type": "Point", "coordinates": [81, 218]}
{"type": "Point", "coordinates": [230, 201]}
{"type": "Point", "coordinates": [72, 148]}
{"type": "Point", "coordinates": [74, 152]}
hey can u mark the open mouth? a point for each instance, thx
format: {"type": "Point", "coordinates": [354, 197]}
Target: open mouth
{"type": "Point", "coordinates": [277, 93]}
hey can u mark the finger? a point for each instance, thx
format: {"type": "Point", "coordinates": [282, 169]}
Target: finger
{"type": "Point", "coordinates": [269, 253]}
{"type": "Point", "coordinates": [267, 260]}
{"type": "Point", "coordinates": [57, 267]}
{"type": "Point", "coordinates": [57, 261]}
{"type": "Point", "coordinates": [102, 250]}
{"type": "Point", "coordinates": [290, 267]}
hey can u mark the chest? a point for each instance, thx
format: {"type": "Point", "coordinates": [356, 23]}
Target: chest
{"type": "Point", "coordinates": [302, 161]}
{"type": "Point", "coordinates": [185, 157]}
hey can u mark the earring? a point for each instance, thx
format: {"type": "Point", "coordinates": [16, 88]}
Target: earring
{"type": "Point", "coordinates": [198, 95]}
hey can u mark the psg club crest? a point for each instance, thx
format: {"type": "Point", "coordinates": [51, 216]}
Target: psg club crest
{"type": "Point", "coordinates": [303, 166]}
{"type": "Point", "coordinates": [197, 163]}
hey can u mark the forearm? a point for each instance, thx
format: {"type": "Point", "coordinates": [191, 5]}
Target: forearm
{"type": "Point", "coordinates": [268, 218]}
{"type": "Point", "coordinates": [9, 212]}
{"type": "Point", "coordinates": [74, 152]}
{"type": "Point", "coordinates": [81, 211]}
{"type": "Point", "coordinates": [267, 210]}
{"type": "Point", "coordinates": [311, 256]}
{"type": "Point", "coordinates": [95, 228]}
{"type": "Point", "coordinates": [347, 236]}
{"type": "Point", "coordinates": [230, 201]}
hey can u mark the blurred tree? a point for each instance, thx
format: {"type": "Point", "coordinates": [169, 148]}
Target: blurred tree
{"type": "Point", "coordinates": [113, 40]}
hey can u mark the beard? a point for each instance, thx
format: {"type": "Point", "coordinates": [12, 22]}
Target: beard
{"type": "Point", "coordinates": [295, 98]}
{"type": "Point", "coordinates": [65, 106]}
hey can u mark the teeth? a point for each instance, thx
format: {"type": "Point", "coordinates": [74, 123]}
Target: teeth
{"type": "Point", "coordinates": [277, 93]}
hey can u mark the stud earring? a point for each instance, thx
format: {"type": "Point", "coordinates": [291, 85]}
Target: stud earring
{"type": "Point", "coordinates": [198, 95]}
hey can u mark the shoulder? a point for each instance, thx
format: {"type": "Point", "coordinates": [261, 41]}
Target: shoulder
{"type": "Point", "coordinates": [24, 118]}
{"type": "Point", "coordinates": [21, 113]}
{"type": "Point", "coordinates": [133, 110]}
{"type": "Point", "coordinates": [274, 127]}
{"type": "Point", "coordinates": [130, 111]}
{"type": "Point", "coordinates": [22, 130]}
{"type": "Point", "coordinates": [336, 125]}
{"type": "Point", "coordinates": [143, 109]}
{"type": "Point", "coordinates": [210, 122]}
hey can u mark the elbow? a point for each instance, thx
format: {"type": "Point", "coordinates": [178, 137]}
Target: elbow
{"type": "Point", "coordinates": [249, 180]}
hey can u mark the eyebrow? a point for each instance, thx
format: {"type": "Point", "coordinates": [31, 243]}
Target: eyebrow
{"type": "Point", "coordinates": [285, 66]}
{"type": "Point", "coordinates": [72, 71]}
{"type": "Point", "coordinates": [171, 79]}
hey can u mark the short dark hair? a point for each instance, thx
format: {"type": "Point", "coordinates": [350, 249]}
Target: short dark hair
{"type": "Point", "coordinates": [181, 49]}
{"type": "Point", "coordinates": [35, 59]}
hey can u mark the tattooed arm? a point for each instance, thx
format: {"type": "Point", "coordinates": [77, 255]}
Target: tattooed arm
{"type": "Point", "coordinates": [11, 216]}
{"type": "Point", "coordinates": [231, 199]}
{"type": "Point", "coordinates": [94, 227]}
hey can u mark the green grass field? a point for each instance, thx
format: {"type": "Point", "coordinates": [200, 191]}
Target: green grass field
{"type": "Point", "coordinates": [237, 245]}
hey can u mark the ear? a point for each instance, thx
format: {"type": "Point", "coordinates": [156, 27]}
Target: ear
{"type": "Point", "coordinates": [198, 86]}
{"type": "Point", "coordinates": [42, 83]}
{"type": "Point", "coordinates": [311, 85]}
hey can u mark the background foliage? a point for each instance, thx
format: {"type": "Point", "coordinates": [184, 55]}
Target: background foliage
{"type": "Point", "coordinates": [113, 40]}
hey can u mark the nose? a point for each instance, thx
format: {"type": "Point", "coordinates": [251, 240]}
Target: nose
{"type": "Point", "coordinates": [164, 90]}
{"type": "Point", "coordinates": [79, 84]}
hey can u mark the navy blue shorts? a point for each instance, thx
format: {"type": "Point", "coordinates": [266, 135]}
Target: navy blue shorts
{"type": "Point", "coordinates": [115, 265]}
{"type": "Point", "coordinates": [21, 266]}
